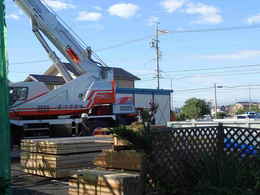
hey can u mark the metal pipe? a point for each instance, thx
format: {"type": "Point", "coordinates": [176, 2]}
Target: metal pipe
{"type": "Point", "coordinates": [60, 67]}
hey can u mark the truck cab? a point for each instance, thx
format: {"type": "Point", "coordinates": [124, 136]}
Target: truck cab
{"type": "Point", "coordinates": [22, 92]}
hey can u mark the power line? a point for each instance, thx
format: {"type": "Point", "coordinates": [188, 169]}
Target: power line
{"type": "Point", "coordinates": [233, 28]}
{"type": "Point", "coordinates": [149, 37]}
{"type": "Point", "coordinates": [181, 31]}
{"type": "Point", "coordinates": [207, 88]}
{"type": "Point", "coordinates": [30, 62]}
{"type": "Point", "coordinates": [196, 89]}
{"type": "Point", "coordinates": [204, 69]}
{"type": "Point", "coordinates": [215, 68]}
{"type": "Point", "coordinates": [124, 43]}
{"type": "Point", "coordinates": [214, 74]}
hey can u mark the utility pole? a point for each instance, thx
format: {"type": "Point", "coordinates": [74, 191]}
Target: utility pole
{"type": "Point", "coordinates": [250, 101]}
{"type": "Point", "coordinates": [172, 106]}
{"type": "Point", "coordinates": [216, 103]}
{"type": "Point", "coordinates": [157, 55]}
{"type": "Point", "coordinates": [5, 175]}
{"type": "Point", "coordinates": [155, 44]}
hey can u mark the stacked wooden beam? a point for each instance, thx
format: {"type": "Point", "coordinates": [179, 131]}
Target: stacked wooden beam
{"type": "Point", "coordinates": [100, 182]}
{"type": "Point", "coordinates": [58, 158]}
{"type": "Point", "coordinates": [126, 160]}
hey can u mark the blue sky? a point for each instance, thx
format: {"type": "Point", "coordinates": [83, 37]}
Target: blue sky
{"type": "Point", "coordinates": [105, 23]}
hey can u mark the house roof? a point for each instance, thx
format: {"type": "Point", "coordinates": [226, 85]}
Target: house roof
{"type": "Point", "coordinates": [52, 69]}
{"type": "Point", "coordinates": [119, 73]}
{"type": "Point", "coordinates": [47, 79]}
{"type": "Point", "coordinates": [246, 103]}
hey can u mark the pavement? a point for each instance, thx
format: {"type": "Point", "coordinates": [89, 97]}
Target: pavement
{"type": "Point", "coordinates": [25, 184]}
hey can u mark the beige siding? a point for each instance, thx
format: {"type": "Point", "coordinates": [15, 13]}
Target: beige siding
{"type": "Point", "coordinates": [125, 84]}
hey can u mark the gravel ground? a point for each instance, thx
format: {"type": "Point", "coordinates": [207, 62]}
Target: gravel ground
{"type": "Point", "coordinates": [25, 184]}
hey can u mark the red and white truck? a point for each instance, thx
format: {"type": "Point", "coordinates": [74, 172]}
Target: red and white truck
{"type": "Point", "coordinates": [88, 98]}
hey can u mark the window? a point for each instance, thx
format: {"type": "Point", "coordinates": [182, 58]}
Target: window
{"type": "Point", "coordinates": [18, 94]}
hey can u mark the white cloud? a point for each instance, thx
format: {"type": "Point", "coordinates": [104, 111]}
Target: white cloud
{"type": "Point", "coordinates": [207, 14]}
{"type": "Point", "coordinates": [254, 19]}
{"type": "Point", "coordinates": [89, 16]}
{"type": "Point", "coordinates": [98, 8]}
{"type": "Point", "coordinates": [172, 5]}
{"type": "Point", "coordinates": [244, 54]}
{"type": "Point", "coordinates": [13, 16]}
{"type": "Point", "coordinates": [58, 4]}
{"type": "Point", "coordinates": [152, 20]}
{"type": "Point", "coordinates": [123, 10]}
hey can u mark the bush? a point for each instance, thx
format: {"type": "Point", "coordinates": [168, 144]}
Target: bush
{"type": "Point", "coordinates": [227, 176]}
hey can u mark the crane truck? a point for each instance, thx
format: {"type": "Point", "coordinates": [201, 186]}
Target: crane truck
{"type": "Point", "coordinates": [90, 91]}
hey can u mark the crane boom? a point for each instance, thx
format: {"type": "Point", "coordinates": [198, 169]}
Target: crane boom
{"type": "Point", "coordinates": [89, 91]}
{"type": "Point", "coordinates": [45, 22]}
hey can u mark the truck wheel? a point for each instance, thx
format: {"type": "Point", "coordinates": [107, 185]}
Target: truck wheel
{"type": "Point", "coordinates": [98, 124]}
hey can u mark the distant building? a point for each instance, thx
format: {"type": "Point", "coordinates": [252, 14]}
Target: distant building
{"type": "Point", "coordinates": [53, 79]}
{"type": "Point", "coordinates": [243, 105]}
{"type": "Point", "coordinates": [219, 109]}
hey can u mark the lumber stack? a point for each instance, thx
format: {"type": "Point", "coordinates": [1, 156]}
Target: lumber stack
{"type": "Point", "coordinates": [59, 158]}
{"type": "Point", "coordinates": [100, 182]}
{"type": "Point", "coordinates": [66, 145]}
{"type": "Point", "coordinates": [126, 160]}
{"type": "Point", "coordinates": [113, 182]}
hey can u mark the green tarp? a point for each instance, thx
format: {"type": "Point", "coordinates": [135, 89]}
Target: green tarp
{"type": "Point", "coordinates": [4, 121]}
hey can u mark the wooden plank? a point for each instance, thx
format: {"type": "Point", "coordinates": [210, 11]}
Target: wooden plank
{"type": "Point", "coordinates": [36, 161]}
{"type": "Point", "coordinates": [55, 173]}
{"type": "Point", "coordinates": [100, 182]}
{"type": "Point", "coordinates": [68, 150]}
{"type": "Point", "coordinates": [127, 160]}
{"type": "Point", "coordinates": [67, 145]}
{"type": "Point", "coordinates": [70, 140]}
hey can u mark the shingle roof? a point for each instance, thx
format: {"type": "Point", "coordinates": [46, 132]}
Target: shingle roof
{"type": "Point", "coordinates": [49, 80]}
{"type": "Point", "coordinates": [119, 73]}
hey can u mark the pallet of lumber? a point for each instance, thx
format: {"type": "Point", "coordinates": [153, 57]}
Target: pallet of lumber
{"type": "Point", "coordinates": [67, 145]}
{"type": "Point", "coordinates": [56, 166]}
{"type": "Point", "coordinates": [60, 158]}
{"type": "Point", "coordinates": [100, 182]}
{"type": "Point", "coordinates": [125, 159]}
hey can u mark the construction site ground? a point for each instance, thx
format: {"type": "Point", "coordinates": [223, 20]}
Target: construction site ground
{"type": "Point", "coordinates": [25, 184]}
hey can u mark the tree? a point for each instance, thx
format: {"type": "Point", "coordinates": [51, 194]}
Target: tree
{"type": "Point", "coordinates": [195, 108]}
{"type": "Point", "coordinates": [221, 115]}
{"type": "Point", "coordinates": [240, 111]}
{"type": "Point", "coordinates": [253, 108]}
{"type": "Point", "coordinates": [180, 117]}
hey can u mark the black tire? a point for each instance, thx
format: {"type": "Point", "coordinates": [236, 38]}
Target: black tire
{"type": "Point", "coordinates": [99, 123]}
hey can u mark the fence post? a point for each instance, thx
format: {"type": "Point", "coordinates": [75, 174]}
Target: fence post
{"type": "Point", "coordinates": [220, 140]}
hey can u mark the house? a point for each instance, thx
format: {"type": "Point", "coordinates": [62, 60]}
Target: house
{"type": "Point", "coordinates": [52, 78]}
{"type": "Point", "coordinates": [243, 106]}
